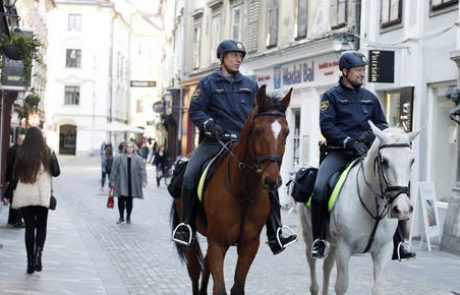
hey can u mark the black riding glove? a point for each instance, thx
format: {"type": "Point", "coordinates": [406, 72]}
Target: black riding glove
{"type": "Point", "coordinates": [214, 129]}
{"type": "Point", "coordinates": [367, 137]}
{"type": "Point", "coordinates": [357, 147]}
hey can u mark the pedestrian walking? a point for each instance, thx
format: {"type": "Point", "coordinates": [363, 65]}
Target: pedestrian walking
{"type": "Point", "coordinates": [128, 177]}
{"type": "Point", "coordinates": [14, 215]}
{"type": "Point", "coordinates": [161, 163]}
{"type": "Point", "coordinates": [33, 168]}
{"type": "Point", "coordinates": [107, 163]}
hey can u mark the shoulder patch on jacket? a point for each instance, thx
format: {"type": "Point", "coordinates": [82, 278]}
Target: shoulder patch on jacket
{"type": "Point", "coordinates": [196, 93]}
{"type": "Point", "coordinates": [324, 105]}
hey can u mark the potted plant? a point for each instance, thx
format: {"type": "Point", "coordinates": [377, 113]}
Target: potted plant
{"type": "Point", "coordinates": [20, 46]}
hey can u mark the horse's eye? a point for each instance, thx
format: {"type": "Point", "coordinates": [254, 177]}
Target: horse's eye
{"type": "Point", "coordinates": [384, 163]}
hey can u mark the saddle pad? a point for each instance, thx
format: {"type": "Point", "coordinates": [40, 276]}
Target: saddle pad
{"type": "Point", "coordinates": [337, 187]}
{"type": "Point", "coordinates": [208, 169]}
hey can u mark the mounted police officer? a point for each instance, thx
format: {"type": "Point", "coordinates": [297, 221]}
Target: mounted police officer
{"type": "Point", "coordinates": [220, 105]}
{"type": "Point", "coordinates": [344, 114]}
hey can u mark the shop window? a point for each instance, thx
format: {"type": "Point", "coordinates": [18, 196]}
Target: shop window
{"type": "Point", "coordinates": [436, 5]}
{"type": "Point", "coordinates": [272, 24]}
{"type": "Point", "coordinates": [390, 13]}
{"type": "Point", "coordinates": [73, 58]}
{"type": "Point", "coordinates": [74, 22]}
{"type": "Point", "coordinates": [338, 13]}
{"type": "Point", "coordinates": [301, 19]}
{"type": "Point", "coordinates": [72, 95]}
{"type": "Point", "coordinates": [398, 108]}
{"type": "Point", "coordinates": [296, 138]}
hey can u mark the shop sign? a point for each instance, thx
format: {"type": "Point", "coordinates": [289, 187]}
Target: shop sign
{"type": "Point", "coordinates": [302, 73]}
{"type": "Point", "coordinates": [12, 73]}
{"type": "Point", "coordinates": [406, 102]}
{"type": "Point", "coordinates": [381, 66]}
{"type": "Point", "coordinates": [137, 83]}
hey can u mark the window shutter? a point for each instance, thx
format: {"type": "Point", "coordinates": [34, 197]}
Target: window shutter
{"type": "Point", "coordinates": [253, 26]}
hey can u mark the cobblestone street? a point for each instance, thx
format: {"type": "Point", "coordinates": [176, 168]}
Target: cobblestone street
{"type": "Point", "coordinates": [86, 252]}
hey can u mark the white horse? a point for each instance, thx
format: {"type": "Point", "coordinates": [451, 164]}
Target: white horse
{"type": "Point", "coordinates": [374, 196]}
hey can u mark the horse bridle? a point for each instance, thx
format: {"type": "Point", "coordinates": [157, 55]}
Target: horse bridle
{"type": "Point", "coordinates": [386, 190]}
{"type": "Point", "coordinates": [258, 160]}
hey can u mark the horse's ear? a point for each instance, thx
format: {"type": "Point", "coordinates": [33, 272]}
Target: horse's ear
{"type": "Point", "coordinates": [287, 99]}
{"type": "Point", "coordinates": [261, 94]}
{"type": "Point", "coordinates": [412, 135]}
{"type": "Point", "coordinates": [377, 131]}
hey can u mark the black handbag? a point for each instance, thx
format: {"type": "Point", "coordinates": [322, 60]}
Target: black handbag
{"type": "Point", "coordinates": [10, 189]}
{"type": "Point", "coordinates": [55, 169]}
{"type": "Point", "coordinates": [53, 203]}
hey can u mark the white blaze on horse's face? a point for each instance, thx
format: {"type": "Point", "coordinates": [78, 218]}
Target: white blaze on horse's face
{"type": "Point", "coordinates": [276, 128]}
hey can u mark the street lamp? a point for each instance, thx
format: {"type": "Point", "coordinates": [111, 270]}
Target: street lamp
{"type": "Point", "coordinates": [167, 101]}
{"type": "Point", "coordinates": [10, 12]}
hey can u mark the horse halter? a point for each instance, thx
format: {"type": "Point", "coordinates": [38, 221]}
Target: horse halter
{"type": "Point", "coordinates": [388, 191]}
{"type": "Point", "coordinates": [267, 158]}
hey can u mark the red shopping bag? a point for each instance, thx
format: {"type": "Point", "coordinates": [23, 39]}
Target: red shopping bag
{"type": "Point", "coordinates": [110, 202]}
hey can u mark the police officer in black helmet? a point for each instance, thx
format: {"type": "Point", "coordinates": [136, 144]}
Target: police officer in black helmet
{"type": "Point", "coordinates": [344, 114]}
{"type": "Point", "coordinates": [220, 105]}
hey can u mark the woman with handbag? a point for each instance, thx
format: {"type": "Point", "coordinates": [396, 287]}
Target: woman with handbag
{"type": "Point", "coordinates": [128, 177]}
{"type": "Point", "coordinates": [33, 168]}
{"type": "Point", "coordinates": [161, 163]}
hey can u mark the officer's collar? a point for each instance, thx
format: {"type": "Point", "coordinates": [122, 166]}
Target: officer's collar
{"type": "Point", "coordinates": [220, 75]}
{"type": "Point", "coordinates": [346, 87]}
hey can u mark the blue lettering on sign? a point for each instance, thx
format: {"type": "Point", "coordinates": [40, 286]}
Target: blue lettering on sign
{"type": "Point", "coordinates": [308, 72]}
{"type": "Point", "coordinates": [292, 77]}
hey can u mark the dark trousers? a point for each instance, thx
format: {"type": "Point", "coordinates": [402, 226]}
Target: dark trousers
{"type": "Point", "coordinates": [35, 218]}
{"type": "Point", "coordinates": [331, 164]}
{"type": "Point", "coordinates": [104, 174]}
{"type": "Point", "coordinates": [125, 202]}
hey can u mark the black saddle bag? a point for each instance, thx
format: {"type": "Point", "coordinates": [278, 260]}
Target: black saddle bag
{"type": "Point", "coordinates": [301, 187]}
{"type": "Point", "coordinates": [175, 186]}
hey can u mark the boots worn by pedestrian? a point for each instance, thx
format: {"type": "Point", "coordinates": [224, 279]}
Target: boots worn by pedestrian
{"type": "Point", "coordinates": [183, 233]}
{"type": "Point", "coordinates": [278, 239]}
{"type": "Point", "coordinates": [38, 259]}
{"type": "Point", "coordinates": [30, 264]}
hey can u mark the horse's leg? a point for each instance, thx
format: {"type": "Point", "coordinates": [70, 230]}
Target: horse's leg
{"type": "Point", "coordinates": [314, 288]}
{"type": "Point", "coordinates": [193, 267]}
{"type": "Point", "coordinates": [215, 261]}
{"type": "Point", "coordinates": [246, 254]}
{"type": "Point", "coordinates": [327, 267]}
{"type": "Point", "coordinates": [381, 259]}
{"type": "Point", "coordinates": [343, 258]}
{"type": "Point", "coordinates": [205, 278]}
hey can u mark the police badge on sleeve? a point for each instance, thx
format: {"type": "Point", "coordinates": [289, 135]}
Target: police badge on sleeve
{"type": "Point", "coordinates": [324, 105]}
{"type": "Point", "coordinates": [196, 93]}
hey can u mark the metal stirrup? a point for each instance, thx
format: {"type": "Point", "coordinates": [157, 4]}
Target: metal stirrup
{"type": "Point", "coordinates": [189, 228]}
{"type": "Point", "coordinates": [278, 233]}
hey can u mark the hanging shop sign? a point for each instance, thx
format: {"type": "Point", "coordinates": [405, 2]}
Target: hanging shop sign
{"type": "Point", "coordinates": [381, 67]}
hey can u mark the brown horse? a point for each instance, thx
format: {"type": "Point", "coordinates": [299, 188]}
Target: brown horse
{"type": "Point", "coordinates": [236, 200]}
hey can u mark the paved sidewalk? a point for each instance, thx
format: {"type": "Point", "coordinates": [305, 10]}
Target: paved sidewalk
{"type": "Point", "coordinates": [86, 252]}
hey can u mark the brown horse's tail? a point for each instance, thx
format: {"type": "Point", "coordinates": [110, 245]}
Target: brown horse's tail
{"type": "Point", "coordinates": [182, 251]}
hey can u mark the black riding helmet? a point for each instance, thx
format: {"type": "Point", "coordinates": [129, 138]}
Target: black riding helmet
{"type": "Point", "coordinates": [351, 59]}
{"type": "Point", "coordinates": [230, 45]}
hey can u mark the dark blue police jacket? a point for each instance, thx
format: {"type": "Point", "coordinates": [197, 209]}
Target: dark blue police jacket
{"type": "Point", "coordinates": [345, 112]}
{"type": "Point", "coordinates": [226, 100]}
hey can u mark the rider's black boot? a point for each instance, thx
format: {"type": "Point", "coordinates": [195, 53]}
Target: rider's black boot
{"type": "Point", "coordinates": [277, 239]}
{"type": "Point", "coordinates": [183, 233]}
{"type": "Point", "coordinates": [399, 251]}
{"type": "Point", "coordinates": [320, 246]}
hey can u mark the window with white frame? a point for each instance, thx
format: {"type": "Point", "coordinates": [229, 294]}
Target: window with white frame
{"type": "Point", "coordinates": [441, 4]}
{"type": "Point", "coordinates": [215, 35]}
{"type": "Point", "coordinates": [390, 13]}
{"type": "Point", "coordinates": [236, 22]}
{"type": "Point", "coordinates": [301, 19]}
{"type": "Point", "coordinates": [73, 58]}
{"type": "Point", "coordinates": [296, 137]}
{"type": "Point", "coordinates": [272, 23]}
{"type": "Point", "coordinates": [338, 13]}
{"type": "Point", "coordinates": [72, 95]}
{"type": "Point", "coordinates": [196, 46]}
{"type": "Point", "coordinates": [74, 22]}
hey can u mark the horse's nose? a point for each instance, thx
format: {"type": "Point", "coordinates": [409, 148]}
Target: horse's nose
{"type": "Point", "coordinates": [272, 186]}
{"type": "Point", "coordinates": [395, 211]}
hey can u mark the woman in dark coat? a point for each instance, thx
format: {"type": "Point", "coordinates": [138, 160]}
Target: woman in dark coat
{"type": "Point", "coordinates": [161, 163]}
{"type": "Point", "coordinates": [128, 177]}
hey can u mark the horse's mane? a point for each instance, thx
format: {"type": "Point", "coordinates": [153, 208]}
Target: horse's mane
{"type": "Point", "coordinates": [272, 103]}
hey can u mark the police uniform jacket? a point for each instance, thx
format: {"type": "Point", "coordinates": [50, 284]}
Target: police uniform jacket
{"type": "Point", "coordinates": [226, 100]}
{"type": "Point", "coordinates": [345, 113]}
